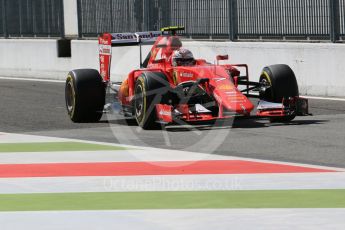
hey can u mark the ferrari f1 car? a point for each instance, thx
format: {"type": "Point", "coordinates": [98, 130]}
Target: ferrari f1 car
{"type": "Point", "coordinates": [167, 91]}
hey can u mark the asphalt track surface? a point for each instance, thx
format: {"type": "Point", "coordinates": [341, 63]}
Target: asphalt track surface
{"type": "Point", "coordinates": [38, 108]}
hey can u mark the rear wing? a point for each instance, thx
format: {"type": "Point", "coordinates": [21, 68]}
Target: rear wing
{"type": "Point", "coordinates": [129, 39]}
{"type": "Point", "coordinates": [108, 40]}
{"type": "Point", "coordinates": [137, 38]}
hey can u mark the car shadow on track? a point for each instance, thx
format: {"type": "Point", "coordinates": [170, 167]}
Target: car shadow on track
{"type": "Point", "coordinates": [300, 122]}
{"type": "Point", "coordinates": [238, 123]}
{"type": "Point", "coordinates": [125, 122]}
{"type": "Point", "coordinates": [264, 123]}
{"type": "Point", "coordinates": [245, 124]}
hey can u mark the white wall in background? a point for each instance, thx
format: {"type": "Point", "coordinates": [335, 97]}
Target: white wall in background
{"type": "Point", "coordinates": [35, 58]}
{"type": "Point", "coordinates": [319, 67]}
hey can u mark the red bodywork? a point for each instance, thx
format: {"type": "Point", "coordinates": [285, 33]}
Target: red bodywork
{"type": "Point", "coordinates": [222, 84]}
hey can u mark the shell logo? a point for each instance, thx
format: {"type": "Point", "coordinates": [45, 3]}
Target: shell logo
{"type": "Point", "coordinates": [187, 75]}
{"type": "Point", "coordinates": [226, 87]}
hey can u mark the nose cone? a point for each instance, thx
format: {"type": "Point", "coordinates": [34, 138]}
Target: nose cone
{"type": "Point", "coordinates": [226, 93]}
{"type": "Point", "coordinates": [235, 101]}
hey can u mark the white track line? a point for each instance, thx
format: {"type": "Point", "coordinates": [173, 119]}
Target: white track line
{"type": "Point", "coordinates": [32, 79]}
{"type": "Point", "coordinates": [128, 155]}
{"type": "Point", "coordinates": [23, 138]}
{"type": "Point", "coordinates": [325, 98]}
{"type": "Point", "coordinates": [228, 182]}
{"type": "Point", "coordinates": [201, 219]}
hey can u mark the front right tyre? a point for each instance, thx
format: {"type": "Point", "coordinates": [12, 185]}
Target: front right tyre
{"type": "Point", "coordinates": [281, 82]}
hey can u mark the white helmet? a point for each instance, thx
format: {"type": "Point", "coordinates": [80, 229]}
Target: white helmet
{"type": "Point", "coordinates": [183, 57]}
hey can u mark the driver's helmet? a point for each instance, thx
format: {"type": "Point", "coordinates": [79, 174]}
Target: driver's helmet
{"type": "Point", "coordinates": [183, 57]}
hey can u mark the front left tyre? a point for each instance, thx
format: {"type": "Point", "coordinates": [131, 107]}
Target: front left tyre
{"type": "Point", "coordinates": [84, 95]}
{"type": "Point", "coordinates": [151, 88]}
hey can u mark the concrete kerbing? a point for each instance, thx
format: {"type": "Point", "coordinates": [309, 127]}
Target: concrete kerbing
{"type": "Point", "coordinates": [296, 181]}
{"type": "Point", "coordinates": [261, 219]}
{"type": "Point", "coordinates": [187, 191]}
{"type": "Point", "coordinates": [178, 153]}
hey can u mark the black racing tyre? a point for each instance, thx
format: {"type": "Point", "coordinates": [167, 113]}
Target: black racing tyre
{"type": "Point", "coordinates": [283, 84]}
{"type": "Point", "coordinates": [84, 95]}
{"type": "Point", "coordinates": [151, 88]}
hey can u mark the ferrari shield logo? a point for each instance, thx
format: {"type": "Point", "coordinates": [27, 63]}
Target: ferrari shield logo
{"type": "Point", "coordinates": [175, 74]}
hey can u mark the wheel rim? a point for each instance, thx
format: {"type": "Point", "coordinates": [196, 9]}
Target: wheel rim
{"type": "Point", "coordinates": [70, 97]}
{"type": "Point", "coordinates": [265, 82]}
{"type": "Point", "coordinates": [139, 102]}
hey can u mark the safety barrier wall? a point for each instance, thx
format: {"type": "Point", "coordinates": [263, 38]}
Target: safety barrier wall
{"type": "Point", "coordinates": [319, 67]}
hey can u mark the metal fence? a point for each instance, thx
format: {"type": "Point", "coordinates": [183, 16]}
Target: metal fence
{"type": "Point", "coordinates": [234, 19]}
{"type": "Point", "coordinates": [231, 19]}
{"type": "Point", "coordinates": [31, 18]}
{"type": "Point", "coordinates": [290, 18]}
{"type": "Point", "coordinates": [200, 17]}
{"type": "Point", "coordinates": [342, 17]}
{"type": "Point", "coordinates": [97, 16]}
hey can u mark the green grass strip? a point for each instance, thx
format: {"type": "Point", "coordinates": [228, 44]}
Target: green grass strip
{"type": "Point", "coordinates": [174, 200]}
{"type": "Point", "coordinates": [55, 147]}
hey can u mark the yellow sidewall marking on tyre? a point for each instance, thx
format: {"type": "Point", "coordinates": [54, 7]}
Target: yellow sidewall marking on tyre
{"type": "Point", "coordinates": [144, 99]}
{"type": "Point", "coordinates": [267, 76]}
{"type": "Point", "coordinates": [70, 79]}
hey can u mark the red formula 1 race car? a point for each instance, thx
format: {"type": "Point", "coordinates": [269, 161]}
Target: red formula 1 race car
{"type": "Point", "coordinates": [172, 87]}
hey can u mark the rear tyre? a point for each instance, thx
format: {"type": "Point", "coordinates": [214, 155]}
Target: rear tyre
{"type": "Point", "coordinates": [283, 84]}
{"type": "Point", "coordinates": [151, 88]}
{"type": "Point", "coordinates": [84, 95]}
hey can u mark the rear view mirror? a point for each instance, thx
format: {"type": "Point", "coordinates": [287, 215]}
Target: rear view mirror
{"type": "Point", "coordinates": [159, 61]}
{"type": "Point", "coordinates": [222, 57]}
